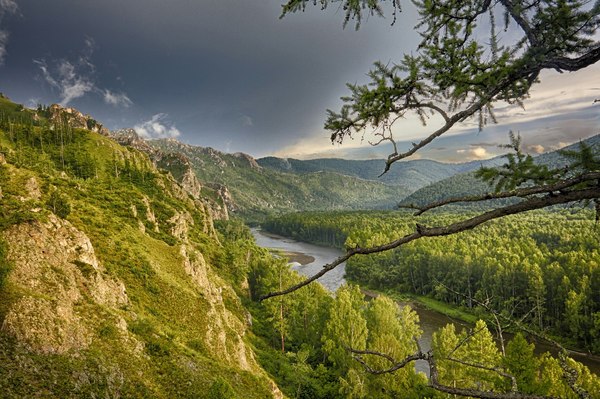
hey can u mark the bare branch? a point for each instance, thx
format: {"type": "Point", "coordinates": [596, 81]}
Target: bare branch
{"type": "Point", "coordinates": [570, 375]}
{"type": "Point", "coordinates": [474, 393]}
{"type": "Point", "coordinates": [497, 370]}
{"type": "Point", "coordinates": [396, 365]}
{"type": "Point", "coordinates": [433, 375]}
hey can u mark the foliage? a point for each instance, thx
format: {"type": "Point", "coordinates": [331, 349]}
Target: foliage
{"type": "Point", "coordinates": [221, 389]}
{"type": "Point", "coordinates": [258, 191]}
{"type": "Point", "coordinates": [140, 349]}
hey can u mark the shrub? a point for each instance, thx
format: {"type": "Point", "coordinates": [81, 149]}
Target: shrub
{"type": "Point", "coordinates": [59, 204]}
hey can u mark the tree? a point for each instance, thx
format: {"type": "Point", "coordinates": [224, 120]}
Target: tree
{"type": "Point", "coordinates": [456, 75]}
{"type": "Point", "coordinates": [59, 204]}
{"type": "Point", "coordinates": [521, 362]}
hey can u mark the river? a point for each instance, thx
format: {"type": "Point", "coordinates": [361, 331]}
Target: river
{"type": "Point", "coordinates": [308, 259]}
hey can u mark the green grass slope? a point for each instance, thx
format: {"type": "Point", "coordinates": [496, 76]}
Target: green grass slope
{"type": "Point", "coordinates": [113, 281]}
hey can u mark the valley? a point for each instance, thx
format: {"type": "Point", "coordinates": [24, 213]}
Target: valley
{"type": "Point", "coordinates": [144, 252]}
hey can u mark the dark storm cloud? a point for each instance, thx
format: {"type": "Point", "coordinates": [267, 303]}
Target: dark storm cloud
{"type": "Point", "coordinates": [227, 72]}
{"type": "Point", "coordinates": [7, 7]}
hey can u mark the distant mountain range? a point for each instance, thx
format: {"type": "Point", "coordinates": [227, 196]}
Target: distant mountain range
{"type": "Point", "coordinates": [412, 175]}
{"type": "Point", "coordinates": [253, 188]}
{"type": "Point", "coordinates": [466, 183]}
{"type": "Point", "coordinates": [258, 190]}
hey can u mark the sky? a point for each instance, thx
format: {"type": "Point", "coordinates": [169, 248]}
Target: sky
{"type": "Point", "coordinates": [230, 74]}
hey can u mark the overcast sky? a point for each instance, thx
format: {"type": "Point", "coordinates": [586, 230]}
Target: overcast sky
{"type": "Point", "coordinates": [231, 75]}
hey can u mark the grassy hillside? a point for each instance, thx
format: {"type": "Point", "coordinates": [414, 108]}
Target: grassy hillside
{"type": "Point", "coordinates": [113, 280]}
{"type": "Point", "coordinates": [257, 190]}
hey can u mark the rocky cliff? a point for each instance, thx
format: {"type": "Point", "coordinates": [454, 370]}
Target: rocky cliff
{"type": "Point", "coordinates": [180, 167]}
{"type": "Point", "coordinates": [58, 114]}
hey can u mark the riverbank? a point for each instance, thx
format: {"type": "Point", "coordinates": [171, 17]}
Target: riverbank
{"type": "Point", "coordinates": [297, 257]}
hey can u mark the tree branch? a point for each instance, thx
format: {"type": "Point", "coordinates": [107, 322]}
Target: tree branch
{"type": "Point", "coordinates": [396, 365]}
{"type": "Point", "coordinates": [433, 375]}
{"type": "Point", "coordinates": [523, 192]}
{"type": "Point", "coordinates": [468, 224]}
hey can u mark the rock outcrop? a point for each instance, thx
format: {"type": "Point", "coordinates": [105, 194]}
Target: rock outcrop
{"type": "Point", "coordinates": [60, 115]}
{"type": "Point", "coordinates": [55, 268]}
{"type": "Point", "coordinates": [248, 160]}
{"type": "Point", "coordinates": [129, 138]}
{"type": "Point", "coordinates": [180, 168]}
{"type": "Point", "coordinates": [224, 334]}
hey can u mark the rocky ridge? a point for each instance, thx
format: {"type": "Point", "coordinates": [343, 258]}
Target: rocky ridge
{"type": "Point", "coordinates": [58, 114]}
{"type": "Point", "coordinates": [179, 166]}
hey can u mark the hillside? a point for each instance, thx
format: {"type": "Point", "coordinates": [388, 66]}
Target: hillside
{"type": "Point", "coordinates": [113, 279]}
{"type": "Point", "coordinates": [257, 190]}
{"type": "Point", "coordinates": [463, 184]}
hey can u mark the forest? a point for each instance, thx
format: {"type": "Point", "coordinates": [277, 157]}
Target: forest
{"type": "Point", "coordinates": [315, 326]}
{"type": "Point", "coordinates": [541, 267]}
{"type": "Point", "coordinates": [311, 343]}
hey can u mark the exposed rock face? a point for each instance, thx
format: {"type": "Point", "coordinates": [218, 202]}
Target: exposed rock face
{"type": "Point", "coordinates": [191, 184]}
{"type": "Point", "coordinates": [150, 214]}
{"type": "Point", "coordinates": [248, 160]}
{"type": "Point", "coordinates": [55, 267]}
{"type": "Point", "coordinates": [181, 223]}
{"type": "Point", "coordinates": [224, 333]}
{"type": "Point", "coordinates": [224, 193]}
{"type": "Point", "coordinates": [75, 119]}
{"type": "Point", "coordinates": [180, 168]}
{"type": "Point", "coordinates": [129, 137]}
{"type": "Point", "coordinates": [33, 189]}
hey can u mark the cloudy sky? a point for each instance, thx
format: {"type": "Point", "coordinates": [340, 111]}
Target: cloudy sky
{"type": "Point", "coordinates": [231, 75]}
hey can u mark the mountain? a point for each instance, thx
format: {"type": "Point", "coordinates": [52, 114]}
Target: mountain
{"type": "Point", "coordinates": [412, 175]}
{"type": "Point", "coordinates": [257, 190]}
{"type": "Point", "coordinates": [464, 184]}
{"type": "Point", "coordinates": [217, 199]}
{"type": "Point", "coordinates": [114, 281]}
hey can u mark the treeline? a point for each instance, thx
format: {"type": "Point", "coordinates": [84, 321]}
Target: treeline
{"type": "Point", "coordinates": [541, 266]}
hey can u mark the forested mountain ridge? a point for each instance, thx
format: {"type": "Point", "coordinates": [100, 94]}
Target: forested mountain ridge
{"type": "Point", "coordinates": [412, 175]}
{"type": "Point", "coordinates": [257, 190]}
{"type": "Point", "coordinates": [465, 184]}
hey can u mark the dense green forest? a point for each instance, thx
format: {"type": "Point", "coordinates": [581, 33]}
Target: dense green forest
{"type": "Point", "coordinates": [313, 331]}
{"type": "Point", "coordinates": [542, 266]}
